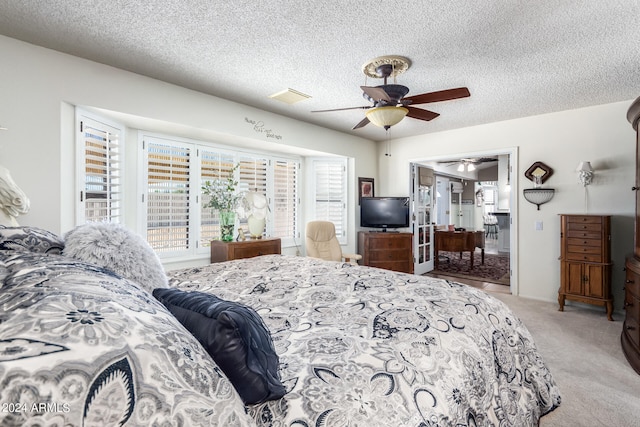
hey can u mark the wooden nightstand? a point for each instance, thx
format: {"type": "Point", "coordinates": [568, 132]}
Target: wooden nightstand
{"type": "Point", "coordinates": [226, 251]}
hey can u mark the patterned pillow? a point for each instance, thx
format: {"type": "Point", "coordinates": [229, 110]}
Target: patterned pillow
{"type": "Point", "coordinates": [114, 247]}
{"type": "Point", "coordinates": [30, 239]}
{"type": "Point", "coordinates": [236, 338]}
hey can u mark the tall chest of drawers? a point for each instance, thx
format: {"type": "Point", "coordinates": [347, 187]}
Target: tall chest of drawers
{"type": "Point", "coordinates": [585, 260]}
{"type": "Point", "coordinates": [630, 337]}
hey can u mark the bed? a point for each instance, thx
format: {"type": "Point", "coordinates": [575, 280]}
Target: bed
{"type": "Point", "coordinates": [81, 344]}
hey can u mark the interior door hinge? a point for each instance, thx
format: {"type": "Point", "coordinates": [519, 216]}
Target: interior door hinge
{"type": "Point", "coordinates": [82, 196]}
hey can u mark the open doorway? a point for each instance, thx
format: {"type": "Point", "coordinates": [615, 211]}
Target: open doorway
{"type": "Point", "coordinates": [478, 201]}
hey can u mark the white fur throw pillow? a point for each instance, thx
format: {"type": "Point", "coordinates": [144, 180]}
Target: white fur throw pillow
{"type": "Point", "coordinates": [115, 248]}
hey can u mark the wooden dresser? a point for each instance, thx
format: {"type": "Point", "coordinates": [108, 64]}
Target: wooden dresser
{"type": "Point", "coordinates": [585, 260]}
{"type": "Point", "coordinates": [630, 337]}
{"type": "Point", "coordinates": [391, 251]}
{"type": "Point", "coordinates": [226, 251]}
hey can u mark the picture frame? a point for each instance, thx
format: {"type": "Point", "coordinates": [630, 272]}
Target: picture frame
{"type": "Point", "coordinates": [366, 188]}
{"type": "Point", "coordinates": [540, 171]}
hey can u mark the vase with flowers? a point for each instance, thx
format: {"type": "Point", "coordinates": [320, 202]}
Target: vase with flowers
{"type": "Point", "coordinates": [224, 199]}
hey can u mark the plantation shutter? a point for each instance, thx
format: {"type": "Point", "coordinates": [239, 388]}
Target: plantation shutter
{"type": "Point", "coordinates": [252, 177]}
{"type": "Point", "coordinates": [168, 196]}
{"type": "Point", "coordinates": [214, 165]}
{"type": "Point", "coordinates": [331, 194]}
{"type": "Point", "coordinates": [285, 200]}
{"type": "Point", "coordinates": [101, 193]}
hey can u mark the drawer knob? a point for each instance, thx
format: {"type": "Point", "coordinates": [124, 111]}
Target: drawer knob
{"type": "Point", "coordinates": [628, 281]}
{"type": "Point", "coordinates": [630, 328]}
{"type": "Point", "coordinates": [628, 304]}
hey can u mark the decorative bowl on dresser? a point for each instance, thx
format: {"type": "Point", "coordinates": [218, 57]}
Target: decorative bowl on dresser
{"type": "Point", "coordinates": [630, 337]}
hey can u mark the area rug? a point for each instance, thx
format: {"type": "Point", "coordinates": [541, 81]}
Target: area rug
{"type": "Point", "coordinates": [495, 268]}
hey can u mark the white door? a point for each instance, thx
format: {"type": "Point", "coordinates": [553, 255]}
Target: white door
{"type": "Point", "coordinates": [422, 221]}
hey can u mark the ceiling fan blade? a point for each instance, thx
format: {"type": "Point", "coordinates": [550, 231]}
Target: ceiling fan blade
{"type": "Point", "coordinates": [375, 93]}
{"type": "Point", "coordinates": [441, 95]}
{"type": "Point", "coordinates": [484, 160]}
{"type": "Point", "coordinates": [418, 113]}
{"type": "Point", "coordinates": [364, 107]}
{"type": "Point", "coordinates": [361, 124]}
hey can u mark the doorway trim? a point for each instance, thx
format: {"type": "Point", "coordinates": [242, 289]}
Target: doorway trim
{"type": "Point", "coordinates": [513, 200]}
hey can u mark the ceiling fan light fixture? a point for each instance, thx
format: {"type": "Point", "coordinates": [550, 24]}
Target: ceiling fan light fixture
{"type": "Point", "coordinates": [385, 117]}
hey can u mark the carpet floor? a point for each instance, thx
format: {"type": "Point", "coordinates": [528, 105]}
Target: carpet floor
{"type": "Point", "coordinates": [495, 268]}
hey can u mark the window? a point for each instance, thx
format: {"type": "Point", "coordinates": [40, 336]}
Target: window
{"type": "Point", "coordinates": [330, 177]}
{"type": "Point", "coordinates": [168, 196]}
{"type": "Point", "coordinates": [178, 224]}
{"type": "Point", "coordinates": [100, 151]}
{"type": "Point", "coordinates": [214, 165]}
{"type": "Point", "coordinates": [285, 200]}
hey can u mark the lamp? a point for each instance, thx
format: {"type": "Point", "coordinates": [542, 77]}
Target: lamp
{"type": "Point", "coordinates": [538, 196]}
{"type": "Point", "coordinates": [385, 117]}
{"type": "Point", "coordinates": [470, 166]}
{"type": "Point", "coordinates": [585, 173]}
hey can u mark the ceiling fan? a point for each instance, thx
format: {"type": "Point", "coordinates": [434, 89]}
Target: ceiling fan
{"type": "Point", "coordinates": [389, 103]}
{"type": "Point", "coordinates": [469, 164]}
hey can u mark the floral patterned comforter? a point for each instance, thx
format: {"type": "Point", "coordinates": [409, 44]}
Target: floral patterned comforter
{"type": "Point", "coordinates": [81, 346]}
{"type": "Point", "coordinates": [360, 346]}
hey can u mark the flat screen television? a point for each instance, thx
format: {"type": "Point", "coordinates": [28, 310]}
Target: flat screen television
{"type": "Point", "coordinates": [384, 212]}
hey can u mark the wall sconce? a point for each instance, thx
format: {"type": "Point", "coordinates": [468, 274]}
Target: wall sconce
{"type": "Point", "coordinates": [585, 177]}
{"type": "Point", "coordinates": [585, 173]}
{"type": "Point", "coordinates": [538, 173]}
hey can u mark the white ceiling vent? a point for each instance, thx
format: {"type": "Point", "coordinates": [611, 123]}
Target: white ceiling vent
{"type": "Point", "coordinates": [289, 96]}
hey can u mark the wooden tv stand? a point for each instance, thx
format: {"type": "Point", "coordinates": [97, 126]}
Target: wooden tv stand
{"type": "Point", "coordinates": [390, 250]}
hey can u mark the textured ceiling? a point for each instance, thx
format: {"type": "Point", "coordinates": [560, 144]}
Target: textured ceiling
{"type": "Point", "coordinates": [518, 58]}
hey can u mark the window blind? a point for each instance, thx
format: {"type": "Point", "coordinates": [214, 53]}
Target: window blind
{"type": "Point", "coordinates": [285, 199]}
{"type": "Point", "coordinates": [214, 165]}
{"type": "Point", "coordinates": [168, 196]}
{"type": "Point", "coordinates": [101, 194]}
{"type": "Point", "coordinates": [331, 194]}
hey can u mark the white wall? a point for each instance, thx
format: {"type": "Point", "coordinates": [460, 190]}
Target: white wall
{"type": "Point", "coordinates": [600, 134]}
{"type": "Point", "coordinates": [40, 88]}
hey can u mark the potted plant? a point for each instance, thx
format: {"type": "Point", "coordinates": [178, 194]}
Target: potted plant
{"type": "Point", "coordinates": [224, 199]}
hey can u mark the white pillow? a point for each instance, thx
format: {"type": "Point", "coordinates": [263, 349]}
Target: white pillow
{"type": "Point", "coordinates": [115, 248]}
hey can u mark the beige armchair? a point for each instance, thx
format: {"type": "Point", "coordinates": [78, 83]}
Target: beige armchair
{"type": "Point", "coordinates": [321, 242]}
